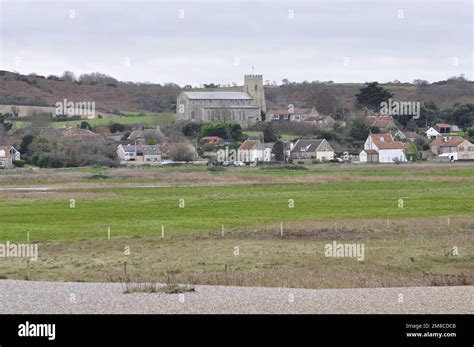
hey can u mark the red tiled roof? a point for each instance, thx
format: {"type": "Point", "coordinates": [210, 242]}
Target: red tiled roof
{"type": "Point", "coordinates": [249, 144]}
{"type": "Point", "coordinates": [447, 141]}
{"type": "Point", "coordinates": [386, 141]}
{"type": "Point", "coordinates": [380, 121]}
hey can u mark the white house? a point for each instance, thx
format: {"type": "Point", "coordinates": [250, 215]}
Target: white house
{"type": "Point", "coordinates": [254, 150]}
{"type": "Point", "coordinates": [8, 154]}
{"type": "Point", "coordinates": [432, 133]}
{"type": "Point", "coordinates": [382, 148]}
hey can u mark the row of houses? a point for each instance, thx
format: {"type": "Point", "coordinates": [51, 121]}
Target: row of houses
{"type": "Point", "coordinates": [301, 150]}
{"type": "Point", "coordinates": [384, 148]}
{"type": "Point", "coordinates": [140, 152]}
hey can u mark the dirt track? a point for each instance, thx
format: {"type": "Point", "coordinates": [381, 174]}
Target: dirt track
{"type": "Point", "coordinates": [58, 297]}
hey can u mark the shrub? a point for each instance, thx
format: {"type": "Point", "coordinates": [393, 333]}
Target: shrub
{"type": "Point", "coordinates": [19, 163]}
{"type": "Point", "coordinates": [216, 168]}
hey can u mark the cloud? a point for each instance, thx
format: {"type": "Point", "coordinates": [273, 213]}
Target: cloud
{"type": "Point", "coordinates": [197, 42]}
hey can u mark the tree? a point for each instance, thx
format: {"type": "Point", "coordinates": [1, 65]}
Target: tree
{"type": "Point", "coordinates": [269, 134]}
{"type": "Point", "coordinates": [183, 152]}
{"type": "Point", "coordinates": [85, 125]}
{"type": "Point", "coordinates": [420, 83]}
{"type": "Point", "coordinates": [470, 131]}
{"type": "Point", "coordinates": [278, 150]}
{"type": "Point", "coordinates": [372, 96]}
{"type": "Point", "coordinates": [224, 130]}
{"type": "Point", "coordinates": [25, 144]}
{"type": "Point", "coordinates": [359, 129]}
{"type": "Point", "coordinates": [116, 127]}
{"type": "Point", "coordinates": [191, 129]}
{"type": "Point", "coordinates": [68, 76]}
{"type": "Point", "coordinates": [463, 115]}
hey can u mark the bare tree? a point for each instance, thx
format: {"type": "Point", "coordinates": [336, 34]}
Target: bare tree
{"type": "Point", "coordinates": [183, 152]}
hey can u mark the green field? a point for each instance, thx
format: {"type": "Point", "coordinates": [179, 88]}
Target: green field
{"type": "Point", "coordinates": [367, 195]}
{"type": "Point", "coordinates": [150, 119]}
{"type": "Point", "coordinates": [258, 134]}
{"type": "Point", "coordinates": [407, 245]}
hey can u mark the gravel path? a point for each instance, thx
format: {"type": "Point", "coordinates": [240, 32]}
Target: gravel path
{"type": "Point", "coordinates": [59, 297]}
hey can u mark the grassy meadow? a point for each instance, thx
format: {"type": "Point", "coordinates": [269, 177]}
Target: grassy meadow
{"type": "Point", "coordinates": [150, 119]}
{"type": "Point", "coordinates": [409, 218]}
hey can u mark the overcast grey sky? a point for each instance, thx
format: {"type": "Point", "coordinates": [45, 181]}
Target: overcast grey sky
{"type": "Point", "coordinates": [195, 42]}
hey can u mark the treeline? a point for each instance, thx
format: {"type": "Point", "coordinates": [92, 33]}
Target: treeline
{"type": "Point", "coordinates": [47, 149]}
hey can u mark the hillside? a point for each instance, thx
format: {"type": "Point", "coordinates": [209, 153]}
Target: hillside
{"type": "Point", "coordinates": [31, 90]}
{"type": "Point", "coordinates": [17, 89]}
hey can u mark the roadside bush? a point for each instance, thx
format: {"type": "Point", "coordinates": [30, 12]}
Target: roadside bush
{"type": "Point", "coordinates": [19, 163]}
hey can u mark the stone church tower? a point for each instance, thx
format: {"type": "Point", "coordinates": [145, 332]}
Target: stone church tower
{"type": "Point", "coordinates": [253, 85]}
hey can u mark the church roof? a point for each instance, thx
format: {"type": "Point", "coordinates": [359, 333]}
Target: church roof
{"type": "Point", "coordinates": [218, 95]}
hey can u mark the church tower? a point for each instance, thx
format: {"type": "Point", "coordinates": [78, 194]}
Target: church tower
{"type": "Point", "coordinates": [253, 85]}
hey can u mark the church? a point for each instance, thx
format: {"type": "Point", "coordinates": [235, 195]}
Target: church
{"type": "Point", "coordinates": [244, 107]}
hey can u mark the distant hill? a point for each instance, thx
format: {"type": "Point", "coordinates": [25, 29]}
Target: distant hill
{"type": "Point", "coordinates": [111, 95]}
{"type": "Point", "coordinates": [328, 96]}
{"type": "Point", "coordinates": [33, 90]}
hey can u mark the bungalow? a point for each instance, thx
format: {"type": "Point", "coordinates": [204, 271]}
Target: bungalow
{"type": "Point", "coordinates": [8, 154]}
{"type": "Point", "coordinates": [139, 153]}
{"type": "Point", "coordinates": [382, 148]}
{"type": "Point", "coordinates": [453, 147]}
{"type": "Point", "coordinates": [294, 115]}
{"type": "Point", "coordinates": [315, 149]}
{"type": "Point", "coordinates": [255, 150]}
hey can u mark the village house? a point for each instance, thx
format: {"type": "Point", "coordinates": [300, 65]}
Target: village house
{"type": "Point", "coordinates": [312, 149]}
{"type": "Point", "coordinates": [8, 154]}
{"type": "Point", "coordinates": [255, 150]}
{"type": "Point", "coordinates": [291, 115]}
{"type": "Point", "coordinates": [301, 115]}
{"type": "Point", "coordinates": [142, 153]}
{"type": "Point", "coordinates": [444, 128]}
{"type": "Point", "coordinates": [147, 134]}
{"type": "Point", "coordinates": [453, 148]}
{"type": "Point", "coordinates": [382, 148]}
{"type": "Point", "coordinates": [407, 135]}
{"type": "Point", "coordinates": [383, 123]}
{"type": "Point", "coordinates": [430, 133]}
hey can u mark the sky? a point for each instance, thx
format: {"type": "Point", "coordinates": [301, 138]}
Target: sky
{"type": "Point", "coordinates": [197, 42]}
